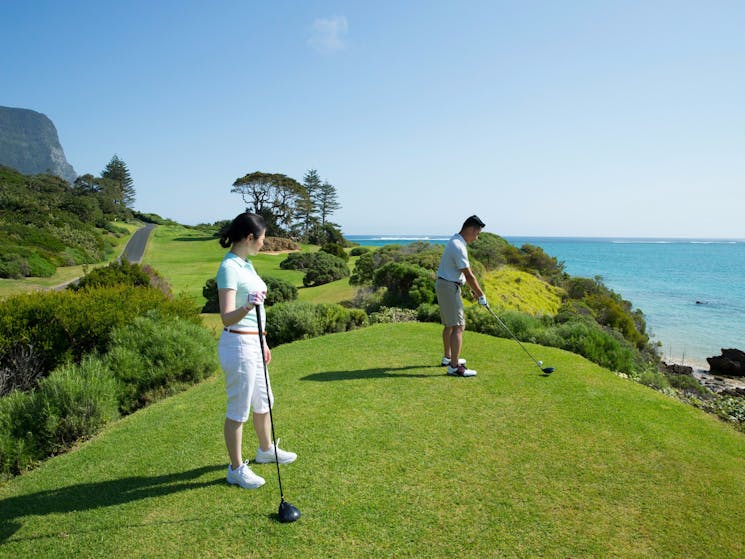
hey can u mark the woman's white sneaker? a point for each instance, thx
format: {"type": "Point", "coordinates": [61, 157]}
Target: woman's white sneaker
{"type": "Point", "coordinates": [446, 361]}
{"type": "Point", "coordinates": [244, 477]}
{"type": "Point", "coordinates": [267, 456]}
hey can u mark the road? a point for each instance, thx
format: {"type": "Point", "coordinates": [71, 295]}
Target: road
{"type": "Point", "coordinates": [135, 249]}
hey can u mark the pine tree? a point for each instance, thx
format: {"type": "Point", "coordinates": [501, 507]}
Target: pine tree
{"type": "Point", "coordinates": [307, 211]}
{"type": "Point", "coordinates": [326, 200]}
{"type": "Point", "coordinates": [117, 170]}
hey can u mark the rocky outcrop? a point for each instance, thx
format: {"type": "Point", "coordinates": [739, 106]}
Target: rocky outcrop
{"type": "Point", "coordinates": [29, 144]}
{"type": "Point", "coordinates": [675, 369]}
{"type": "Point", "coordinates": [731, 362]}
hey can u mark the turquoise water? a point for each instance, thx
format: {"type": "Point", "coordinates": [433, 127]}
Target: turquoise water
{"type": "Point", "coordinates": [692, 292]}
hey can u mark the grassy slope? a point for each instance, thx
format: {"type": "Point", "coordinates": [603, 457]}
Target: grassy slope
{"type": "Point", "coordinates": [513, 289]}
{"type": "Point", "coordinates": [63, 274]}
{"type": "Point", "coordinates": [398, 460]}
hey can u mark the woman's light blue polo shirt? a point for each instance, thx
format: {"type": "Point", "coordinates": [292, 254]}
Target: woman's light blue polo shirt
{"type": "Point", "coordinates": [239, 274]}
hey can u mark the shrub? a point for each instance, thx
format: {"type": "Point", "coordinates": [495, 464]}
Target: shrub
{"type": "Point", "coordinates": [359, 251]}
{"type": "Point", "coordinates": [428, 312]}
{"type": "Point", "coordinates": [19, 425]}
{"type": "Point", "coordinates": [125, 273]}
{"type": "Point", "coordinates": [491, 250]}
{"type": "Point", "coordinates": [335, 250]}
{"type": "Point", "coordinates": [325, 268]}
{"type": "Point", "coordinates": [19, 262]}
{"type": "Point", "coordinates": [420, 254]}
{"type": "Point", "coordinates": [157, 355]}
{"type": "Point", "coordinates": [687, 384]}
{"type": "Point", "coordinates": [77, 401]}
{"type": "Point", "coordinates": [654, 380]}
{"type": "Point", "coordinates": [287, 322]}
{"type": "Point", "coordinates": [298, 261]}
{"type": "Point", "coordinates": [209, 292]}
{"type": "Point", "coordinates": [65, 325]}
{"type": "Point", "coordinates": [279, 291]}
{"type": "Point", "coordinates": [590, 340]}
{"type": "Point", "coordinates": [20, 369]}
{"type": "Point", "coordinates": [116, 273]}
{"type": "Point", "coordinates": [393, 315]}
{"type": "Point", "coordinates": [407, 285]}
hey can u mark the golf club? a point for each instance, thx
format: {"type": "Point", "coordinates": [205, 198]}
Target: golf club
{"type": "Point", "coordinates": [286, 512]}
{"type": "Point", "coordinates": [545, 370]}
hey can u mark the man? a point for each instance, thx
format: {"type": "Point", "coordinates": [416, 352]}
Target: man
{"type": "Point", "coordinates": [453, 272]}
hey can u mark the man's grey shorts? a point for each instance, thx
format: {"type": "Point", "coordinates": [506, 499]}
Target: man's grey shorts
{"type": "Point", "coordinates": [451, 303]}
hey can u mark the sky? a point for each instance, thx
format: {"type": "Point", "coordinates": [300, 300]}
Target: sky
{"type": "Point", "coordinates": [545, 118]}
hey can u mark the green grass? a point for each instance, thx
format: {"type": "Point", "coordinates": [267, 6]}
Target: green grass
{"type": "Point", "coordinates": [64, 274]}
{"type": "Point", "coordinates": [398, 460]}
{"type": "Point", "coordinates": [188, 258]}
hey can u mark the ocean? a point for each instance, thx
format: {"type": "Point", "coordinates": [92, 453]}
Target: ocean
{"type": "Point", "coordinates": [691, 291]}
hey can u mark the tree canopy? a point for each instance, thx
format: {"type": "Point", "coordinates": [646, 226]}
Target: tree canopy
{"type": "Point", "coordinates": [289, 207]}
{"type": "Point", "coordinates": [116, 170]}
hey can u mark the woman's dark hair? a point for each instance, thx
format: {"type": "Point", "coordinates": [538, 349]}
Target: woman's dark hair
{"type": "Point", "coordinates": [242, 226]}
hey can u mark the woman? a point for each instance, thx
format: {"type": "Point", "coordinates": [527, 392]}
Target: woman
{"type": "Point", "coordinates": [241, 292]}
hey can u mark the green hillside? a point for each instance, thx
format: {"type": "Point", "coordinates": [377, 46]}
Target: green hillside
{"type": "Point", "coordinates": [398, 460]}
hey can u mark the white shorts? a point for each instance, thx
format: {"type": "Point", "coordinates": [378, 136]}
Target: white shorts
{"type": "Point", "coordinates": [240, 358]}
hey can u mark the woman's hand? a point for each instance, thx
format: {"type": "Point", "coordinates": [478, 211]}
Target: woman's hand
{"type": "Point", "coordinates": [267, 354]}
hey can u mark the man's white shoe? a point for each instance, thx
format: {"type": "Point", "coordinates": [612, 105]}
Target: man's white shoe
{"type": "Point", "coordinates": [446, 361]}
{"type": "Point", "coordinates": [267, 456]}
{"type": "Point", "coordinates": [461, 371]}
{"type": "Point", "coordinates": [244, 477]}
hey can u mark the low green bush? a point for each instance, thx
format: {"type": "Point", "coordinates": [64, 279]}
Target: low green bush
{"type": "Point", "coordinates": [428, 312]}
{"type": "Point", "coordinates": [335, 250]}
{"type": "Point", "coordinates": [654, 379]}
{"type": "Point", "coordinates": [298, 320]}
{"type": "Point", "coordinates": [63, 326]}
{"type": "Point", "coordinates": [210, 293]}
{"type": "Point", "coordinates": [19, 425]}
{"type": "Point", "coordinates": [325, 268]}
{"type": "Point", "coordinates": [407, 285]}
{"type": "Point", "coordinates": [298, 261]}
{"type": "Point", "coordinates": [77, 401]}
{"type": "Point", "coordinates": [157, 355]}
{"type": "Point", "coordinates": [359, 251]}
{"type": "Point", "coordinates": [279, 291]}
{"type": "Point", "coordinates": [116, 273]}
{"type": "Point", "coordinates": [687, 384]}
{"type": "Point", "coordinates": [393, 315]}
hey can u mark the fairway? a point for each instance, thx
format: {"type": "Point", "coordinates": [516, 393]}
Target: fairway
{"type": "Point", "coordinates": [397, 459]}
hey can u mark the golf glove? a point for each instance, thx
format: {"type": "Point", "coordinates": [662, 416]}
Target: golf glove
{"type": "Point", "coordinates": [256, 297]}
{"type": "Point", "coordinates": [482, 301]}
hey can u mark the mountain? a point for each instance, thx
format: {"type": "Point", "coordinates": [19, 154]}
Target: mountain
{"type": "Point", "coordinates": [30, 145]}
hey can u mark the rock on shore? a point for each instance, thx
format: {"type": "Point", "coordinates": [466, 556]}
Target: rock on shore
{"type": "Point", "coordinates": [731, 362]}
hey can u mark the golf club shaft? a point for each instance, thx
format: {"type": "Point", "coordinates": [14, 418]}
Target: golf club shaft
{"type": "Point", "coordinates": [268, 397]}
{"type": "Point", "coordinates": [514, 337]}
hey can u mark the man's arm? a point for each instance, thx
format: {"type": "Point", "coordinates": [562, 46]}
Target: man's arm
{"type": "Point", "coordinates": [472, 282]}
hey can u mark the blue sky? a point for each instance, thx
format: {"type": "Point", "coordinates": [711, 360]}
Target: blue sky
{"type": "Point", "coordinates": [559, 118]}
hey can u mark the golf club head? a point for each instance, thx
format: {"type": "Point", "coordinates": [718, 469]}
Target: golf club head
{"type": "Point", "coordinates": [287, 512]}
{"type": "Point", "coordinates": [548, 370]}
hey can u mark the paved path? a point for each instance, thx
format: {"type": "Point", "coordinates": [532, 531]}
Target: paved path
{"type": "Point", "coordinates": [135, 249]}
{"type": "Point", "coordinates": [133, 252]}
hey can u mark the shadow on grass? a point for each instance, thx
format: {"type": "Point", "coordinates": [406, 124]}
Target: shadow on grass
{"type": "Point", "coordinates": [383, 372]}
{"type": "Point", "coordinates": [85, 496]}
{"type": "Point", "coordinates": [191, 239]}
